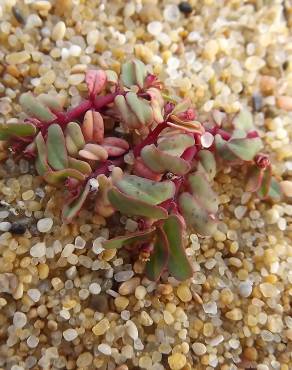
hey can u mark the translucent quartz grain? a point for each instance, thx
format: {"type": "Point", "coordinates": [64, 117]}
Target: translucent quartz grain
{"type": "Point", "coordinates": [44, 225]}
{"type": "Point", "coordinates": [19, 319]}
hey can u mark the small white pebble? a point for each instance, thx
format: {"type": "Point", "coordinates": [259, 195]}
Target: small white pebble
{"type": "Point", "coordinates": [70, 334]}
{"type": "Point", "coordinates": [132, 329]}
{"type": "Point", "coordinates": [38, 250]}
{"type": "Point", "coordinates": [19, 319]}
{"type": "Point", "coordinates": [44, 225]}
{"type": "Point", "coordinates": [94, 184]}
{"type": "Point", "coordinates": [240, 211]}
{"type": "Point", "coordinates": [245, 288]}
{"type": "Point", "coordinates": [171, 13]}
{"type": "Point", "coordinates": [104, 349]}
{"type": "Point", "coordinates": [75, 50]}
{"type": "Point", "coordinates": [97, 247]}
{"type": "Point", "coordinates": [92, 37]}
{"type": "Point", "coordinates": [207, 140]}
{"type": "Point", "coordinates": [79, 242]}
{"type": "Point", "coordinates": [5, 226]}
{"type": "Point", "coordinates": [94, 288]}
{"type": "Point", "coordinates": [68, 250]}
{"type": "Point", "coordinates": [65, 314]}
{"type": "Point", "coordinates": [210, 308]}
{"type": "Point", "coordinates": [199, 348]}
{"type": "Point", "coordinates": [4, 214]}
{"type": "Point", "coordinates": [234, 343]}
{"type": "Point", "coordinates": [34, 294]}
{"type": "Point", "coordinates": [123, 275]}
{"type": "Point", "coordinates": [154, 28]}
{"type": "Point", "coordinates": [32, 341]}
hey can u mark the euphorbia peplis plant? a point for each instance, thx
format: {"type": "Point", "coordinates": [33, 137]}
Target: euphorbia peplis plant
{"type": "Point", "coordinates": [166, 187]}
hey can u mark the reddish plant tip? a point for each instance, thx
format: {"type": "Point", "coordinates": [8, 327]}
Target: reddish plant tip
{"type": "Point", "coordinates": [131, 148]}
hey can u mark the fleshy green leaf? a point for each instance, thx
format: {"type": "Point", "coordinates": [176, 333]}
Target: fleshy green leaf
{"type": "Point", "coordinates": [74, 138]}
{"type": "Point", "coordinates": [133, 73]}
{"type": "Point", "coordinates": [178, 264]}
{"type": "Point", "coordinates": [128, 117]}
{"type": "Point", "coordinates": [33, 107]}
{"type": "Point", "coordinates": [111, 76]}
{"type": "Point", "coordinates": [246, 148]}
{"type": "Point", "coordinates": [58, 177]}
{"type": "Point", "coordinates": [202, 190]}
{"type": "Point", "coordinates": [254, 179]}
{"type": "Point", "coordinates": [159, 161]}
{"type": "Point", "coordinates": [79, 165]}
{"type": "Point", "coordinates": [73, 207]}
{"type": "Point", "coordinates": [16, 129]}
{"type": "Point", "coordinates": [41, 163]}
{"type": "Point", "coordinates": [265, 183]}
{"type": "Point", "coordinates": [275, 191]}
{"type": "Point", "coordinates": [196, 216]}
{"type": "Point", "coordinates": [181, 107]}
{"type": "Point", "coordinates": [132, 238]}
{"type": "Point", "coordinates": [51, 102]}
{"type": "Point", "coordinates": [159, 257]}
{"type": "Point", "coordinates": [243, 148]}
{"type": "Point", "coordinates": [57, 154]}
{"type": "Point", "coordinates": [243, 121]}
{"type": "Point", "coordinates": [140, 107]}
{"type": "Point", "coordinates": [132, 207]}
{"type": "Point", "coordinates": [146, 190]}
{"type": "Point", "coordinates": [207, 163]}
{"type": "Point", "coordinates": [176, 144]}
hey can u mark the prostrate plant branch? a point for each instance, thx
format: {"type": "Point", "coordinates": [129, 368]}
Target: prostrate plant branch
{"type": "Point", "coordinates": [159, 169]}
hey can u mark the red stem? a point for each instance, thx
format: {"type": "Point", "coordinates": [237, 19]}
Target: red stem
{"type": "Point", "coordinates": [104, 168]}
{"type": "Point", "coordinates": [101, 101]}
{"type": "Point", "coordinates": [150, 139]}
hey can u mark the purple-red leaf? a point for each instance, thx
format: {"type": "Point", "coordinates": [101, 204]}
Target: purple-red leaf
{"type": "Point", "coordinates": [71, 209]}
{"type": "Point", "coordinates": [95, 80]}
{"type": "Point", "coordinates": [254, 179]}
{"type": "Point", "coordinates": [159, 257]}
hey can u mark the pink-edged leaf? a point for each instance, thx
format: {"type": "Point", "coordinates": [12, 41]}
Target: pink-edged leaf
{"type": "Point", "coordinates": [129, 119]}
{"type": "Point", "coordinates": [146, 190]}
{"type": "Point", "coordinates": [140, 107]}
{"type": "Point", "coordinates": [93, 127]}
{"type": "Point", "coordinates": [94, 152]}
{"type": "Point", "coordinates": [41, 162]}
{"type": "Point", "coordinates": [71, 209]}
{"type": "Point", "coordinates": [58, 177]}
{"type": "Point", "coordinates": [115, 146]}
{"type": "Point", "coordinates": [79, 165]}
{"type": "Point", "coordinates": [196, 216]}
{"type": "Point", "coordinates": [265, 183]}
{"type": "Point", "coordinates": [140, 169]}
{"type": "Point", "coordinates": [207, 163]}
{"type": "Point", "coordinates": [176, 144]}
{"type": "Point", "coordinates": [178, 263]}
{"type": "Point", "coordinates": [133, 207]}
{"type": "Point", "coordinates": [202, 190]}
{"type": "Point", "coordinates": [157, 104]}
{"type": "Point", "coordinates": [120, 241]}
{"type": "Point", "coordinates": [182, 106]}
{"type": "Point", "coordinates": [159, 257]}
{"type": "Point", "coordinates": [254, 179]}
{"type": "Point", "coordinates": [95, 80]}
{"type": "Point", "coordinates": [56, 147]}
{"type": "Point", "coordinates": [159, 161]}
{"type": "Point", "coordinates": [74, 138]}
{"type": "Point", "coordinates": [186, 126]}
{"type": "Point", "coordinates": [52, 102]}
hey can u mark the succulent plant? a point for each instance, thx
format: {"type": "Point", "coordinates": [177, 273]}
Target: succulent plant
{"type": "Point", "coordinates": [167, 187]}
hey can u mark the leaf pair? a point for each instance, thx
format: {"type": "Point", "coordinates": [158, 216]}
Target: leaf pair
{"type": "Point", "coordinates": [200, 205]}
{"type": "Point", "coordinates": [168, 250]}
{"type": "Point", "coordinates": [260, 180]}
{"type": "Point", "coordinates": [133, 195]}
{"type": "Point", "coordinates": [165, 157]}
{"type": "Point", "coordinates": [41, 108]}
{"type": "Point", "coordinates": [52, 160]}
{"type": "Point", "coordinates": [135, 112]}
